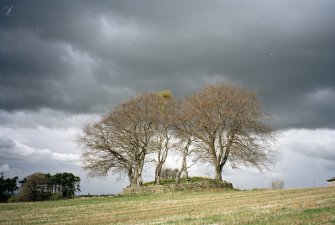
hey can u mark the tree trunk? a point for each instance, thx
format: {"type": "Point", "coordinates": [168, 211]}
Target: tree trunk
{"type": "Point", "coordinates": [186, 173]}
{"type": "Point", "coordinates": [138, 174]}
{"type": "Point", "coordinates": [182, 169]}
{"type": "Point", "coordinates": [132, 181]}
{"type": "Point", "coordinates": [139, 180]}
{"type": "Point", "coordinates": [158, 172]}
{"type": "Point", "coordinates": [219, 164]}
{"type": "Point", "coordinates": [135, 179]}
{"type": "Point", "coordinates": [135, 173]}
{"type": "Point", "coordinates": [132, 177]}
{"type": "Point", "coordinates": [184, 166]}
{"type": "Point", "coordinates": [218, 171]}
{"type": "Point", "coordinates": [178, 177]}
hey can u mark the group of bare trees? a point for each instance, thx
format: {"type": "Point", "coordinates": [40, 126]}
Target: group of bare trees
{"type": "Point", "coordinates": [220, 123]}
{"type": "Point", "coordinates": [277, 184]}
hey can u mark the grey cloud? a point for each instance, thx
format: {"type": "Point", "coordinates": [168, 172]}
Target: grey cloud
{"type": "Point", "coordinates": [6, 144]}
{"type": "Point", "coordinates": [4, 168]}
{"type": "Point", "coordinates": [14, 150]}
{"type": "Point", "coordinates": [54, 119]}
{"type": "Point", "coordinates": [314, 143]}
{"type": "Point", "coordinates": [17, 159]}
{"type": "Point", "coordinates": [69, 56]}
{"type": "Point", "coordinates": [65, 63]}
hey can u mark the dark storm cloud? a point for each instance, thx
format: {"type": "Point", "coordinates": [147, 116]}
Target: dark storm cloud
{"type": "Point", "coordinates": [87, 56]}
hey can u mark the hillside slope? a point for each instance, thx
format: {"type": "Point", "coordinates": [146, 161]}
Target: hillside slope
{"type": "Point", "coordinates": [300, 206]}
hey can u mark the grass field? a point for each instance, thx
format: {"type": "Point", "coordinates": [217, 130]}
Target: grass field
{"type": "Point", "coordinates": [299, 206]}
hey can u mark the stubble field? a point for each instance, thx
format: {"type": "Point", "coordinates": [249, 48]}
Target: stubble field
{"type": "Point", "coordinates": [298, 206]}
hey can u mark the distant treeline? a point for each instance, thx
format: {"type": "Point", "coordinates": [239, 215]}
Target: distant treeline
{"type": "Point", "coordinates": [8, 187]}
{"type": "Point", "coordinates": [39, 187]}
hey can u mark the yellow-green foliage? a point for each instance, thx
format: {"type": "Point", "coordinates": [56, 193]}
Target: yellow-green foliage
{"type": "Point", "coordinates": [166, 94]}
{"type": "Point", "coordinates": [301, 206]}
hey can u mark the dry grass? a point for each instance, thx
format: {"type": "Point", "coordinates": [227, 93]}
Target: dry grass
{"type": "Point", "coordinates": [300, 206]}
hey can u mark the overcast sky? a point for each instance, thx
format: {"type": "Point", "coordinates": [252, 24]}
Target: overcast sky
{"type": "Point", "coordinates": [64, 64]}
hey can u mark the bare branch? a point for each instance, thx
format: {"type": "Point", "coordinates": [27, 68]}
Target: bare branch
{"type": "Point", "coordinates": [227, 123]}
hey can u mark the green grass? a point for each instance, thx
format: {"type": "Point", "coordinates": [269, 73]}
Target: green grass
{"type": "Point", "coordinates": [299, 206]}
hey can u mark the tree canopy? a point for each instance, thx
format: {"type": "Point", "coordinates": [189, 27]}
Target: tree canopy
{"type": "Point", "coordinates": [227, 124]}
{"type": "Point", "coordinates": [124, 137]}
{"type": "Point", "coordinates": [7, 187]}
{"type": "Point", "coordinates": [217, 124]}
{"type": "Point", "coordinates": [40, 186]}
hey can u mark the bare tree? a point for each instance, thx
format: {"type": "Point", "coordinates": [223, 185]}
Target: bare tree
{"type": "Point", "coordinates": [185, 146]}
{"type": "Point", "coordinates": [186, 150]}
{"type": "Point", "coordinates": [168, 173]}
{"type": "Point", "coordinates": [227, 123]}
{"type": "Point", "coordinates": [120, 142]}
{"type": "Point", "coordinates": [277, 184]}
{"type": "Point", "coordinates": [164, 108]}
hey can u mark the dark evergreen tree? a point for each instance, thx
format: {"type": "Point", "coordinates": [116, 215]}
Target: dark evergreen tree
{"type": "Point", "coordinates": [40, 187]}
{"type": "Point", "coordinates": [8, 187]}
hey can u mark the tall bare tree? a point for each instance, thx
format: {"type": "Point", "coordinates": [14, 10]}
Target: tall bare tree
{"type": "Point", "coordinates": [227, 123]}
{"type": "Point", "coordinates": [185, 149]}
{"type": "Point", "coordinates": [121, 141]}
{"type": "Point", "coordinates": [165, 110]}
{"type": "Point", "coordinates": [185, 145]}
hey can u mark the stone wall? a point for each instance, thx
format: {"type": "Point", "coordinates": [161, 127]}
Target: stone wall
{"type": "Point", "coordinates": [194, 186]}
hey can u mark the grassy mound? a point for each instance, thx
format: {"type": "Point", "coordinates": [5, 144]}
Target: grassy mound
{"type": "Point", "coordinates": [186, 184]}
